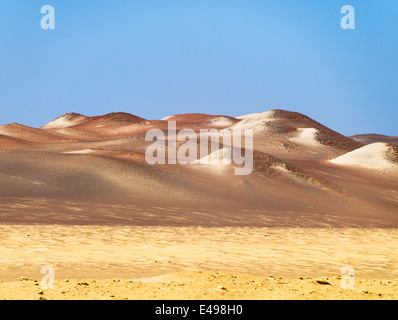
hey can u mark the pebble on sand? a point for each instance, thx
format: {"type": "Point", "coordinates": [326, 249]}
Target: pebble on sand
{"type": "Point", "coordinates": [222, 288]}
{"type": "Point", "coordinates": [322, 281]}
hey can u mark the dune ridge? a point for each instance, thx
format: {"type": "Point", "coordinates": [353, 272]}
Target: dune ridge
{"type": "Point", "coordinates": [303, 174]}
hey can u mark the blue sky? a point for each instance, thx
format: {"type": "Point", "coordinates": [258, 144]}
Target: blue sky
{"type": "Point", "coordinates": [154, 58]}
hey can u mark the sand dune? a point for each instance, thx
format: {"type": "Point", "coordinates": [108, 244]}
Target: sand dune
{"type": "Point", "coordinates": [101, 160]}
{"type": "Point", "coordinates": [31, 134]}
{"type": "Point", "coordinates": [117, 118]}
{"type": "Point", "coordinates": [197, 121]}
{"type": "Point", "coordinates": [372, 138]}
{"type": "Point", "coordinates": [200, 117]}
{"type": "Point", "coordinates": [66, 121]}
{"type": "Point", "coordinates": [11, 143]}
{"type": "Point", "coordinates": [377, 155]}
{"type": "Point", "coordinates": [258, 122]}
{"type": "Point", "coordinates": [110, 125]}
{"type": "Point", "coordinates": [285, 127]}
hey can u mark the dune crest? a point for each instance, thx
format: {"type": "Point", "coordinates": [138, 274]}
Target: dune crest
{"type": "Point", "coordinates": [66, 121]}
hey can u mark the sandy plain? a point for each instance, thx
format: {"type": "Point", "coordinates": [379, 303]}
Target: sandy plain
{"type": "Point", "coordinates": [127, 262]}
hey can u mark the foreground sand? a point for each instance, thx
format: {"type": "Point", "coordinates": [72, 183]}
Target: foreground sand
{"type": "Point", "coordinates": [196, 263]}
{"type": "Point", "coordinates": [198, 285]}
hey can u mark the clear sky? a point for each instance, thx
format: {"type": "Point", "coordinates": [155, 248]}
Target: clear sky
{"type": "Point", "coordinates": [153, 58]}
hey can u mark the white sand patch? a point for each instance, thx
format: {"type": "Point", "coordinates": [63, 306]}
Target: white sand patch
{"type": "Point", "coordinates": [83, 151]}
{"type": "Point", "coordinates": [168, 117]}
{"type": "Point", "coordinates": [306, 136]}
{"type": "Point", "coordinates": [267, 115]}
{"type": "Point", "coordinates": [5, 131]}
{"type": "Point", "coordinates": [281, 168]}
{"type": "Point", "coordinates": [218, 161]}
{"type": "Point", "coordinates": [373, 156]}
{"type": "Point", "coordinates": [64, 122]}
{"type": "Point", "coordinates": [222, 121]}
{"type": "Point", "coordinates": [255, 121]}
{"type": "Point", "coordinates": [221, 156]}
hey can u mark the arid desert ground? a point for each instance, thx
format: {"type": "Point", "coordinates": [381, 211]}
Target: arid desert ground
{"type": "Point", "coordinates": [78, 195]}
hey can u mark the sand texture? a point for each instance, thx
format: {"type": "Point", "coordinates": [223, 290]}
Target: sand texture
{"type": "Point", "coordinates": [197, 263]}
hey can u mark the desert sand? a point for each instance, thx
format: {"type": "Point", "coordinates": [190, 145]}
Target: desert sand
{"type": "Point", "coordinates": [198, 285]}
{"type": "Point", "coordinates": [98, 262]}
{"type": "Point", "coordinates": [78, 195]}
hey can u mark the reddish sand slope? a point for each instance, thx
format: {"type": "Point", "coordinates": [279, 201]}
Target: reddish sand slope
{"type": "Point", "coordinates": [304, 174]}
